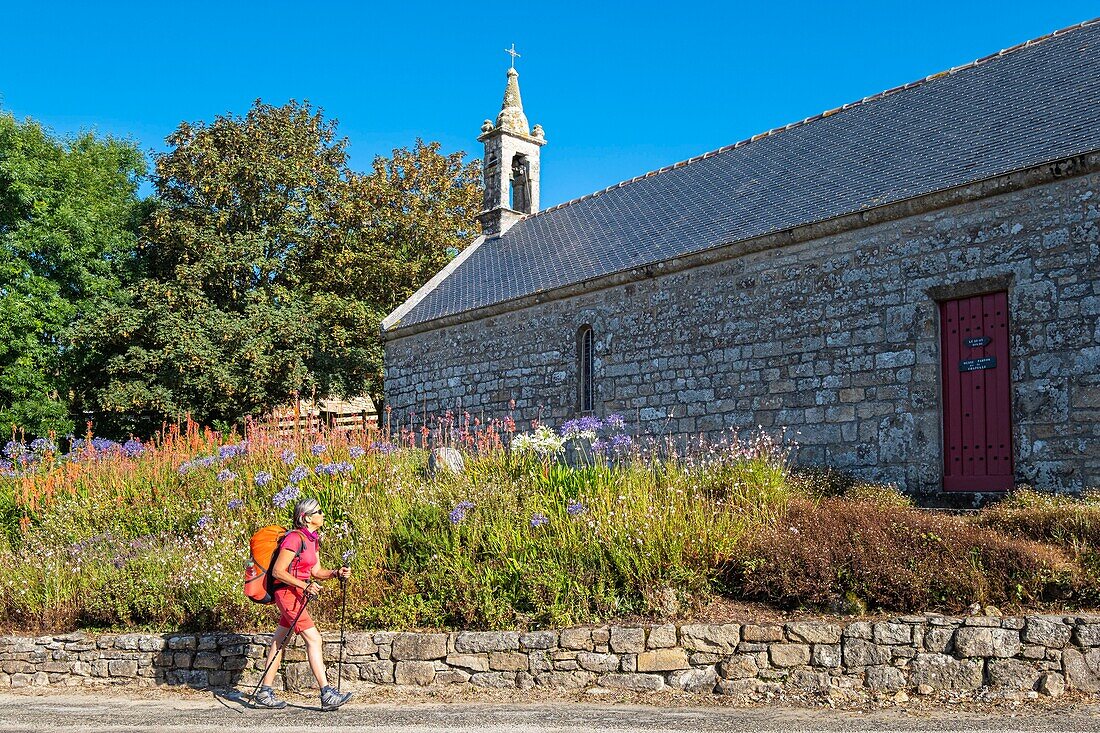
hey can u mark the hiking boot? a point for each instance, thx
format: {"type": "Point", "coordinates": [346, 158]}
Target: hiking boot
{"type": "Point", "coordinates": [331, 698]}
{"type": "Point", "coordinates": [265, 698]}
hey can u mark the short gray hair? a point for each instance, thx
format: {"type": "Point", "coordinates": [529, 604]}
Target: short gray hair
{"type": "Point", "coordinates": [303, 509]}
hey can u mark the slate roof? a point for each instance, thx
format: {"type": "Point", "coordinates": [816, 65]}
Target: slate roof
{"type": "Point", "coordinates": [1027, 105]}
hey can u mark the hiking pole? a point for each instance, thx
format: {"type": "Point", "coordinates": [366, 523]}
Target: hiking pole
{"type": "Point", "coordinates": [281, 646]}
{"type": "Point", "coordinates": [343, 611]}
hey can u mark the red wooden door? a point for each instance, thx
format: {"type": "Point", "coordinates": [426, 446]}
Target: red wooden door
{"type": "Point", "coordinates": [977, 394]}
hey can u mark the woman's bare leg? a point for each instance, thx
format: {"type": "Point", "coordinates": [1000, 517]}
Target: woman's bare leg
{"type": "Point", "coordinates": [274, 655]}
{"type": "Point", "coordinates": [314, 651]}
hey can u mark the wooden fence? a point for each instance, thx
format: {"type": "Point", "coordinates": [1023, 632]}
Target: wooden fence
{"type": "Point", "coordinates": [307, 416]}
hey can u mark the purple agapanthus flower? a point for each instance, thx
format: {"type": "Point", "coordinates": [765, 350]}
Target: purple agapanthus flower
{"type": "Point", "coordinates": [334, 469]}
{"type": "Point", "coordinates": [589, 422]}
{"type": "Point", "coordinates": [133, 448]}
{"type": "Point", "coordinates": [614, 422]}
{"type": "Point", "coordinates": [284, 497]}
{"type": "Point", "coordinates": [43, 445]}
{"type": "Point", "coordinates": [356, 451]}
{"type": "Point", "coordinates": [538, 520]}
{"type": "Point", "coordinates": [232, 451]}
{"type": "Point", "coordinates": [103, 445]}
{"type": "Point", "coordinates": [318, 449]}
{"type": "Point", "coordinates": [574, 428]}
{"type": "Point", "coordinates": [225, 475]}
{"type": "Point", "coordinates": [298, 474]}
{"type": "Point", "coordinates": [459, 512]}
{"type": "Point", "coordinates": [383, 446]}
{"type": "Point", "coordinates": [97, 445]}
{"type": "Point", "coordinates": [621, 442]}
{"type": "Point", "coordinates": [203, 523]}
{"type": "Point", "coordinates": [188, 466]}
{"type": "Point", "coordinates": [15, 450]}
{"type": "Point", "coordinates": [235, 504]}
{"type": "Point", "coordinates": [575, 508]}
{"type": "Point", "coordinates": [289, 457]}
{"type": "Point", "coordinates": [263, 478]}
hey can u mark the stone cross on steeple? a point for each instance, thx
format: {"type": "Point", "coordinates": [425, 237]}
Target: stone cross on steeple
{"type": "Point", "coordinates": [511, 163]}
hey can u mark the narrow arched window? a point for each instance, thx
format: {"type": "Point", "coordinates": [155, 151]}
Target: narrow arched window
{"type": "Point", "coordinates": [585, 388]}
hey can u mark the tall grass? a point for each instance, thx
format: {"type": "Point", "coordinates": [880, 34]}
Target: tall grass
{"type": "Point", "coordinates": [156, 535]}
{"type": "Point", "coordinates": [104, 539]}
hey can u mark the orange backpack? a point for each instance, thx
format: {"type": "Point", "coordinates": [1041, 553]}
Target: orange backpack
{"type": "Point", "coordinates": [259, 582]}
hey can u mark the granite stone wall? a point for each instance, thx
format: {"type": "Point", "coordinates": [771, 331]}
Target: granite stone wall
{"type": "Point", "coordinates": [834, 339]}
{"type": "Point", "coordinates": [924, 654]}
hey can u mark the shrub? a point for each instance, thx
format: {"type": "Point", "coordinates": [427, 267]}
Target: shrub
{"type": "Point", "coordinates": [879, 494]}
{"type": "Point", "coordinates": [891, 558]}
{"type": "Point", "coordinates": [1046, 517]}
{"type": "Point", "coordinates": [1070, 522]}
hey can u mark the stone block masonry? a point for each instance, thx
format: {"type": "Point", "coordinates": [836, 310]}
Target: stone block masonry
{"type": "Point", "coordinates": [924, 654]}
{"type": "Point", "coordinates": [830, 333]}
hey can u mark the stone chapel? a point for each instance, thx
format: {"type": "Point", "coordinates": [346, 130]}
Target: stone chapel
{"type": "Point", "coordinates": [909, 285]}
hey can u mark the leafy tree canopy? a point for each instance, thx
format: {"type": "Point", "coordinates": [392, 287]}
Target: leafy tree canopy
{"type": "Point", "coordinates": [399, 225]}
{"type": "Point", "coordinates": [68, 215]}
{"type": "Point", "coordinates": [267, 266]}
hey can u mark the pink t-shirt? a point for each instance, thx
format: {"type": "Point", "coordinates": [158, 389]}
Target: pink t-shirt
{"type": "Point", "coordinates": [301, 566]}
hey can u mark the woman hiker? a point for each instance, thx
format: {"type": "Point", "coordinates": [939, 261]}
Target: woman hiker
{"type": "Point", "coordinates": [295, 571]}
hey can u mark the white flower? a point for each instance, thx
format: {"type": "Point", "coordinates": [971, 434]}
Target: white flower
{"type": "Point", "coordinates": [543, 441]}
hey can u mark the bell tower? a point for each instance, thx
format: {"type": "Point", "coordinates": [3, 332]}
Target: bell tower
{"type": "Point", "coordinates": [511, 161]}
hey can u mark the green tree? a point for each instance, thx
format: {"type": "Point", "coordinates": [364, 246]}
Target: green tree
{"type": "Point", "coordinates": [400, 224]}
{"type": "Point", "coordinates": [69, 211]}
{"type": "Point", "coordinates": [216, 325]}
{"type": "Point", "coordinates": [267, 266]}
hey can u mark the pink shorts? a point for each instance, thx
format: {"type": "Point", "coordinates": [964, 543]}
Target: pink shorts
{"type": "Point", "coordinates": [288, 600]}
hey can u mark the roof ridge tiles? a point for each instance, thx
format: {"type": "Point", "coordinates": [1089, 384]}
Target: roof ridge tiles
{"type": "Point", "coordinates": [821, 115]}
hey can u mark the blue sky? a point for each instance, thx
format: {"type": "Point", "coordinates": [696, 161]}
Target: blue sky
{"type": "Point", "coordinates": [621, 88]}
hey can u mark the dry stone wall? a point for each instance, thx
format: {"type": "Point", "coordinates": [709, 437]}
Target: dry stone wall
{"type": "Point", "coordinates": [834, 339]}
{"type": "Point", "coordinates": [923, 654]}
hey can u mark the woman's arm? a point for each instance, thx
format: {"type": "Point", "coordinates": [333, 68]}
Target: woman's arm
{"type": "Point", "coordinates": [322, 573]}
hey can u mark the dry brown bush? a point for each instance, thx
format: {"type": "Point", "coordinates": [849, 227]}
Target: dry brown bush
{"type": "Point", "coordinates": [840, 552]}
{"type": "Point", "coordinates": [1050, 518]}
{"type": "Point", "coordinates": [1072, 524]}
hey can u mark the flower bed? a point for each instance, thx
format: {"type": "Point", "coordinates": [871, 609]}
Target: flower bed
{"type": "Point", "coordinates": [155, 535]}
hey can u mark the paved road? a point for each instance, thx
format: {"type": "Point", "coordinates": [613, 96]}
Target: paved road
{"type": "Point", "coordinates": [112, 713]}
